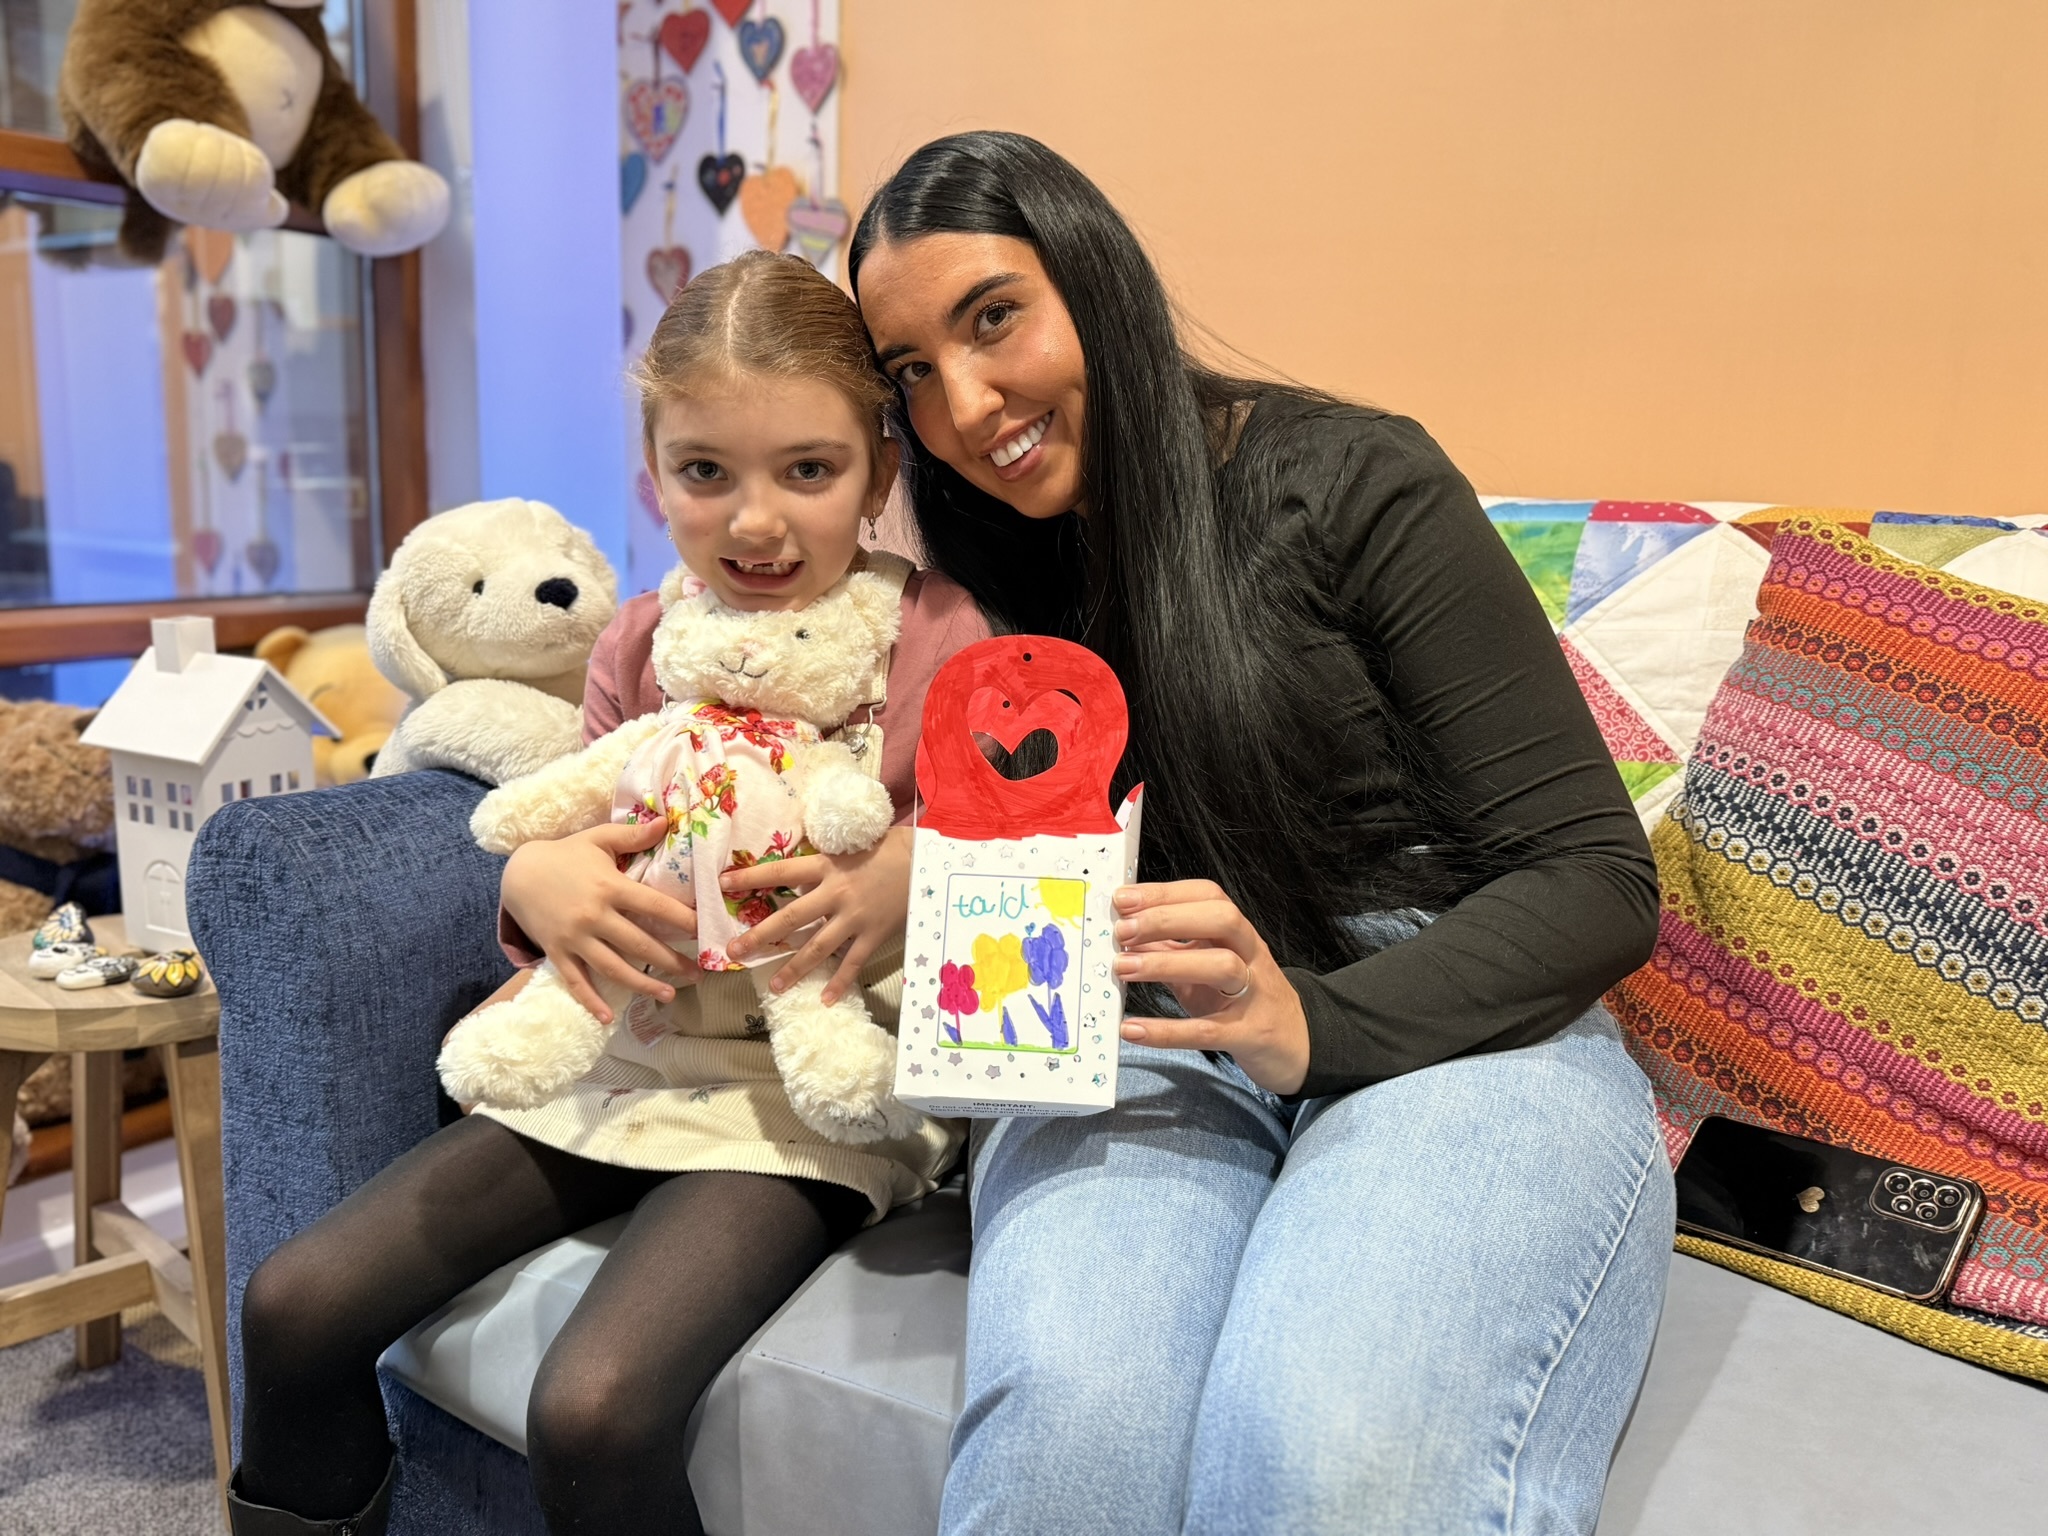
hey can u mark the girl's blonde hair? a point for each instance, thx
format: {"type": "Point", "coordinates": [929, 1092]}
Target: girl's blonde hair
{"type": "Point", "coordinates": [762, 313]}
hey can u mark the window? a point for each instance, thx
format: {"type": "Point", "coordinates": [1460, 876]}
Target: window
{"type": "Point", "coordinates": [227, 793]}
{"type": "Point", "coordinates": [134, 811]}
{"type": "Point", "coordinates": [145, 790]}
{"type": "Point", "coordinates": [185, 795]}
{"type": "Point", "coordinates": [277, 783]}
{"type": "Point", "coordinates": [131, 783]}
{"type": "Point", "coordinates": [149, 815]}
{"type": "Point", "coordinates": [188, 821]}
{"type": "Point", "coordinates": [245, 789]}
{"type": "Point", "coordinates": [292, 778]}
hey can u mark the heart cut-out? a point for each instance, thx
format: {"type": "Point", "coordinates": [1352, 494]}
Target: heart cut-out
{"type": "Point", "coordinates": [262, 380]}
{"type": "Point", "coordinates": [632, 179]}
{"type": "Point", "coordinates": [261, 556]}
{"type": "Point", "coordinates": [668, 268]}
{"type": "Point", "coordinates": [761, 46]}
{"type": "Point", "coordinates": [1038, 752]}
{"type": "Point", "coordinates": [720, 176]}
{"type": "Point", "coordinates": [818, 226]}
{"type": "Point", "coordinates": [198, 349]}
{"type": "Point", "coordinates": [206, 548]}
{"type": "Point", "coordinates": [220, 314]}
{"type": "Point", "coordinates": [684, 35]}
{"type": "Point", "coordinates": [814, 71]}
{"type": "Point", "coordinates": [655, 110]}
{"type": "Point", "coordinates": [231, 453]}
{"type": "Point", "coordinates": [732, 10]}
{"type": "Point", "coordinates": [765, 201]}
{"type": "Point", "coordinates": [212, 250]}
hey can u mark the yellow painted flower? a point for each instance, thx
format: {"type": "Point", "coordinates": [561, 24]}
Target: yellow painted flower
{"type": "Point", "coordinates": [999, 969]}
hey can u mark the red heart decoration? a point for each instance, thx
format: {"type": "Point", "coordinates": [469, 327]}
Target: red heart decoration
{"type": "Point", "coordinates": [198, 351]}
{"type": "Point", "coordinates": [814, 71]}
{"type": "Point", "coordinates": [262, 556]}
{"type": "Point", "coordinates": [206, 547]}
{"type": "Point", "coordinates": [220, 314]}
{"type": "Point", "coordinates": [733, 10]}
{"type": "Point", "coordinates": [654, 112]}
{"type": "Point", "coordinates": [683, 37]}
{"type": "Point", "coordinates": [668, 268]}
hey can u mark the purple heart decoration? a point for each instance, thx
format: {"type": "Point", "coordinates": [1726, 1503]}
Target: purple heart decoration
{"type": "Point", "coordinates": [654, 114]}
{"type": "Point", "coordinates": [817, 226]}
{"type": "Point", "coordinates": [262, 380]}
{"type": "Point", "coordinates": [262, 557]}
{"type": "Point", "coordinates": [814, 71]}
{"type": "Point", "coordinates": [761, 46]}
{"type": "Point", "coordinates": [720, 177]}
{"type": "Point", "coordinates": [632, 180]}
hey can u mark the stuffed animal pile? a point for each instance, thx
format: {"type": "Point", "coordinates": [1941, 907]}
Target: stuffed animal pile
{"type": "Point", "coordinates": [333, 672]}
{"type": "Point", "coordinates": [737, 766]}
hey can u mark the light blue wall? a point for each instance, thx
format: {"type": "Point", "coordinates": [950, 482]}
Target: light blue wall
{"type": "Point", "coordinates": [545, 134]}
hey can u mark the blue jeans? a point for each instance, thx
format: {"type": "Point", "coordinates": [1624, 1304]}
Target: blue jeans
{"type": "Point", "coordinates": [1424, 1306]}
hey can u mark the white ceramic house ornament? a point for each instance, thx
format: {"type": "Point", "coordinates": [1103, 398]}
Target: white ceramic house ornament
{"type": "Point", "coordinates": [191, 730]}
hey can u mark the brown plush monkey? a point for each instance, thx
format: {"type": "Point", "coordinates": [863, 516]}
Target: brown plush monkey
{"type": "Point", "coordinates": [216, 113]}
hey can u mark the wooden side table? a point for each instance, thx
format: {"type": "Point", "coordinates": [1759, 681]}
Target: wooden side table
{"type": "Point", "coordinates": [120, 1260]}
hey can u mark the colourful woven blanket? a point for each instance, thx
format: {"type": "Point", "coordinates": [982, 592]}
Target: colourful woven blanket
{"type": "Point", "coordinates": [1855, 892]}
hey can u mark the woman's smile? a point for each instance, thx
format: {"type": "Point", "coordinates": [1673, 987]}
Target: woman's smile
{"type": "Point", "coordinates": [1015, 456]}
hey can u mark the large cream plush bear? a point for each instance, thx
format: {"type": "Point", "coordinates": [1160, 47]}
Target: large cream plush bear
{"type": "Point", "coordinates": [750, 695]}
{"type": "Point", "coordinates": [485, 619]}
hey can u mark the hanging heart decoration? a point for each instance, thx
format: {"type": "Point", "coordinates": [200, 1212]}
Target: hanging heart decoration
{"type": "Point", "coordinates": [720, 177]}
{"type": "Point", "coordinates": [632, 179]}
{"type": "Point", "coordinates": [212, 250]}
{"type": "Point", "coordinates": [668, 268]}
{"type": "Point", "coordinates": [818, 226]}
{"type": "Point", "coordinates": [220, 314]}
{"type": "Point", "coordinates": [262, 380]}
{"type": "Point", "coordinates": [231, 453]}
{"type": "Point", "coordinates": [733, 10]}
{"type": "Point", "coordinates": [684, 35]}
{"type": "Point", "coordinates": [764, 202]}
{"type": "Point", "coordinates": [261, 556]}
{"type": "Point", "coordinates": [206, 548]}
{"type": "Point", "coordinates": [198, 351]}
{"type": "Point", "coordinates": [654, 114]}
{"type": "Point", "coordinates": [814, 71]}
{"type": "Point", "coordinates": [761, 46]}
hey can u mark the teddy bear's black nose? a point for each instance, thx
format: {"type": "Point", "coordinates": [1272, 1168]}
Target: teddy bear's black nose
{"type": "Point", "coordinates": [559, 590]}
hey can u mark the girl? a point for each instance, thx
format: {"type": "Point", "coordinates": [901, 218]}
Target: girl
{"type": "Point", "coordinates": [763, 415]}
{"type": "Point", "coordinates": [1375, 1238]}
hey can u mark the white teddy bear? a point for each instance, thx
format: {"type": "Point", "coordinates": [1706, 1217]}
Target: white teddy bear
{"type": "Point", "coordinates": [485, 619]}
{"type": "Point", "coordinates": [736, 753]}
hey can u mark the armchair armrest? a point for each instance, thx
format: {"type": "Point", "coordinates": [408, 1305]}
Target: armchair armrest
{"type": "Point", "coordinates": [346, 930]}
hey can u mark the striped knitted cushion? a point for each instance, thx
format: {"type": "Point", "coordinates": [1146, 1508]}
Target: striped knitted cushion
{"type": "Point", "coordinates": [1854, 942]}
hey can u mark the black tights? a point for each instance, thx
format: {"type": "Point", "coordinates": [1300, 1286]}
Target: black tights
{"type": "Point", "coordinates": [706, 1258]}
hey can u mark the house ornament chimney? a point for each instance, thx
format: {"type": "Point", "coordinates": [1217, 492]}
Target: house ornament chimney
{"type": "Point", "coordinates": [177, 641]}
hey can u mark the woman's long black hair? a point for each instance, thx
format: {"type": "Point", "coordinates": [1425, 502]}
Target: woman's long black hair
{"type": "Point", "coordinates": [1170, 577]}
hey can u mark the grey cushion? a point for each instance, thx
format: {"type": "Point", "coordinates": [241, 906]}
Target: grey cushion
{"type": "Point", "coordinates": [1762, 1414]}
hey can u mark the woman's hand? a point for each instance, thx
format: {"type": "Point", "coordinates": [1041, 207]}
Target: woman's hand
{"type": "Point", "coordinates": [1189, 936]}
{"type": "Point", "coordinates": [862, 901]}
{"type": "Point", "coordinates": [569, 897]}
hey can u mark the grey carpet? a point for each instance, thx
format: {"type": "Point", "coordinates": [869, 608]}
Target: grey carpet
{"type": "Point", "coordinates": [122, 1451]}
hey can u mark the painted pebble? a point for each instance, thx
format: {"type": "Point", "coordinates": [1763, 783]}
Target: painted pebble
{"type": "Point", "coordinates": [44, 964]}
{"type": "Point", "coordinates": [100, 971]}
{"type": "Point", "coordinates": [170, 974]}
{"type": "Point", "coordinates": [66, 925]}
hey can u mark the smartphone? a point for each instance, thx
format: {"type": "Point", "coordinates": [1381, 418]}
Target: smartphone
{"type": "Point", "coordinates": [1890, 1226]}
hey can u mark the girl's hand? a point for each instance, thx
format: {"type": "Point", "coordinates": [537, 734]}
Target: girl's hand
{"type": "Point", "coordinates": [1191, 937]}
{"type": "Point", "coordinates": [582, 913]}
{"type": "Point", "coordinates": [862, 900]}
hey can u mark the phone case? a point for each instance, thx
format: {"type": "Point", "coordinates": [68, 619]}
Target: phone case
{"type": "Point", "coordinates": [1890, 1226]}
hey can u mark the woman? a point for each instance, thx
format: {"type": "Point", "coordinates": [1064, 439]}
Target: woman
{"type": "Point", "coordinates": [1375, 1238]}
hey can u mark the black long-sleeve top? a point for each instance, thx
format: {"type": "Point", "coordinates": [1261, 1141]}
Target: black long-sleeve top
{"type": "Point", "coordinates": [1429, 618]}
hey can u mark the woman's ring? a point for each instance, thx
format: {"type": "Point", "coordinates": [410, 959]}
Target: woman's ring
{"type": "Point", "coordinates": [1240, 992]}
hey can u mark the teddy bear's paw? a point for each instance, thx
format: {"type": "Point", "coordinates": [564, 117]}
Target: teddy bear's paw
{"type": "Point", "coordinates": [520, 1053]}
{"type": "Point", "coordinates": [501, 823]}
{"type": "Point", "coordinates": [846, 812]}
{"type": "Point", "coordinates": [199, 174]}
{"type": "Point", "coordinates": [387, 209]}
{"type": "Point", "coordinates": [838, 1067]}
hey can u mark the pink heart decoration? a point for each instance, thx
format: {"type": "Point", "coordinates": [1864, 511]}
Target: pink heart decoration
{"type": "Point", "coordinates": [220, 314]}
{"type": "Point", "coordinates": [668, 268]}
{"type": "Point", "coordinates": [198, 351]}
{"type": "Point", "coordinates": [684, 35]}
{"type": "Point", "coordinates": [262, 557]}
{"type": "Point", "coordinates": [206, 548]}
{"type": "Point", "coordinates": [231, 452]}
{"type": "Point", "coordinates": [654, 113]}
{"type": "Point", "coordinates": [818, 226]}
{"type": "Point", "coordinates": [814, 71]}
{"type": "Point", "coordinates": [733, 10]}
{"type": "Point", "coordinates": [262, 380]}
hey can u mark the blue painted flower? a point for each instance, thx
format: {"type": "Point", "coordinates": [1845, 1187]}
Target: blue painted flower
{"type": "Point", "coordinates": [1045, 952]}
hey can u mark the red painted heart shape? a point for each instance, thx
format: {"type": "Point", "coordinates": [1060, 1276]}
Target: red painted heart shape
{"type": "Point", "coordinates": [817, 226]}
{"type": "Point", "coordinates": [198, 351]}
{"type": "Point", "coordinates": [654, 114]}
{"type": "Point", "coordinates": [668, 268]}
{"type": "Point", "coordinates": [814, 71]}
{"type": "Point", "coordinates": [206, 548]}
{"type": "Point", "coordinates": [684, 35]}
{"type": "Point", "coordinates": [733, 10]}
{"type": "Point", "coordinates": [262, 558]}
{"type": "Point", "coordinates": [220, 314]}
{"type": "Point", "coordinates": [720, 178]}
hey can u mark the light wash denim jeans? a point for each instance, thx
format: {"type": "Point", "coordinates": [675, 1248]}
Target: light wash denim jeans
{"type": "Point", "coordinates": [1421, 1307]}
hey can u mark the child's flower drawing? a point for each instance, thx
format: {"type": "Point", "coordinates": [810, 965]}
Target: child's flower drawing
{"type": "Point", "coordinates": [1045, 952]}
{"type": "Point", "coordinates": [956, 996]}
{"type": "Point", "coordinates": [1000, 969]}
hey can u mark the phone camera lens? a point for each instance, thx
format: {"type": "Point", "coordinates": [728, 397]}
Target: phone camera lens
{"type": "Point", "coordinates": [1897, 1182]}
{"type": "Point", "coordinates": [1948, 1195]}
{"type": "Point", "coordinates": [1903, 1204]}
{"type": "Point", "coordinates": [1928, 1211]}
{"type": "Point", "coordinates": [1923, 1189]}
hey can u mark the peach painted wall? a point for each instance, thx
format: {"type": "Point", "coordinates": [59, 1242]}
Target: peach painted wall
{"type": "Point", "coordinates": [1739, 249]}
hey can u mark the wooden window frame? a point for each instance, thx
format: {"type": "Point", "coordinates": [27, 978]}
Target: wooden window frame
{"type": "Point", "coordinates": [395, 371]}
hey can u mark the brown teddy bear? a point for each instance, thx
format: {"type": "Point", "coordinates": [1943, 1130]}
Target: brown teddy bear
{"type": "Point", "coordinates": [216, 113]}
{"type": "Point", "coordinates": [332, 669]}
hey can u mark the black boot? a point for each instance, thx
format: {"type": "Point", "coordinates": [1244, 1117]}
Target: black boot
{"type": "Point", "coordinates": [246, 1519]}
